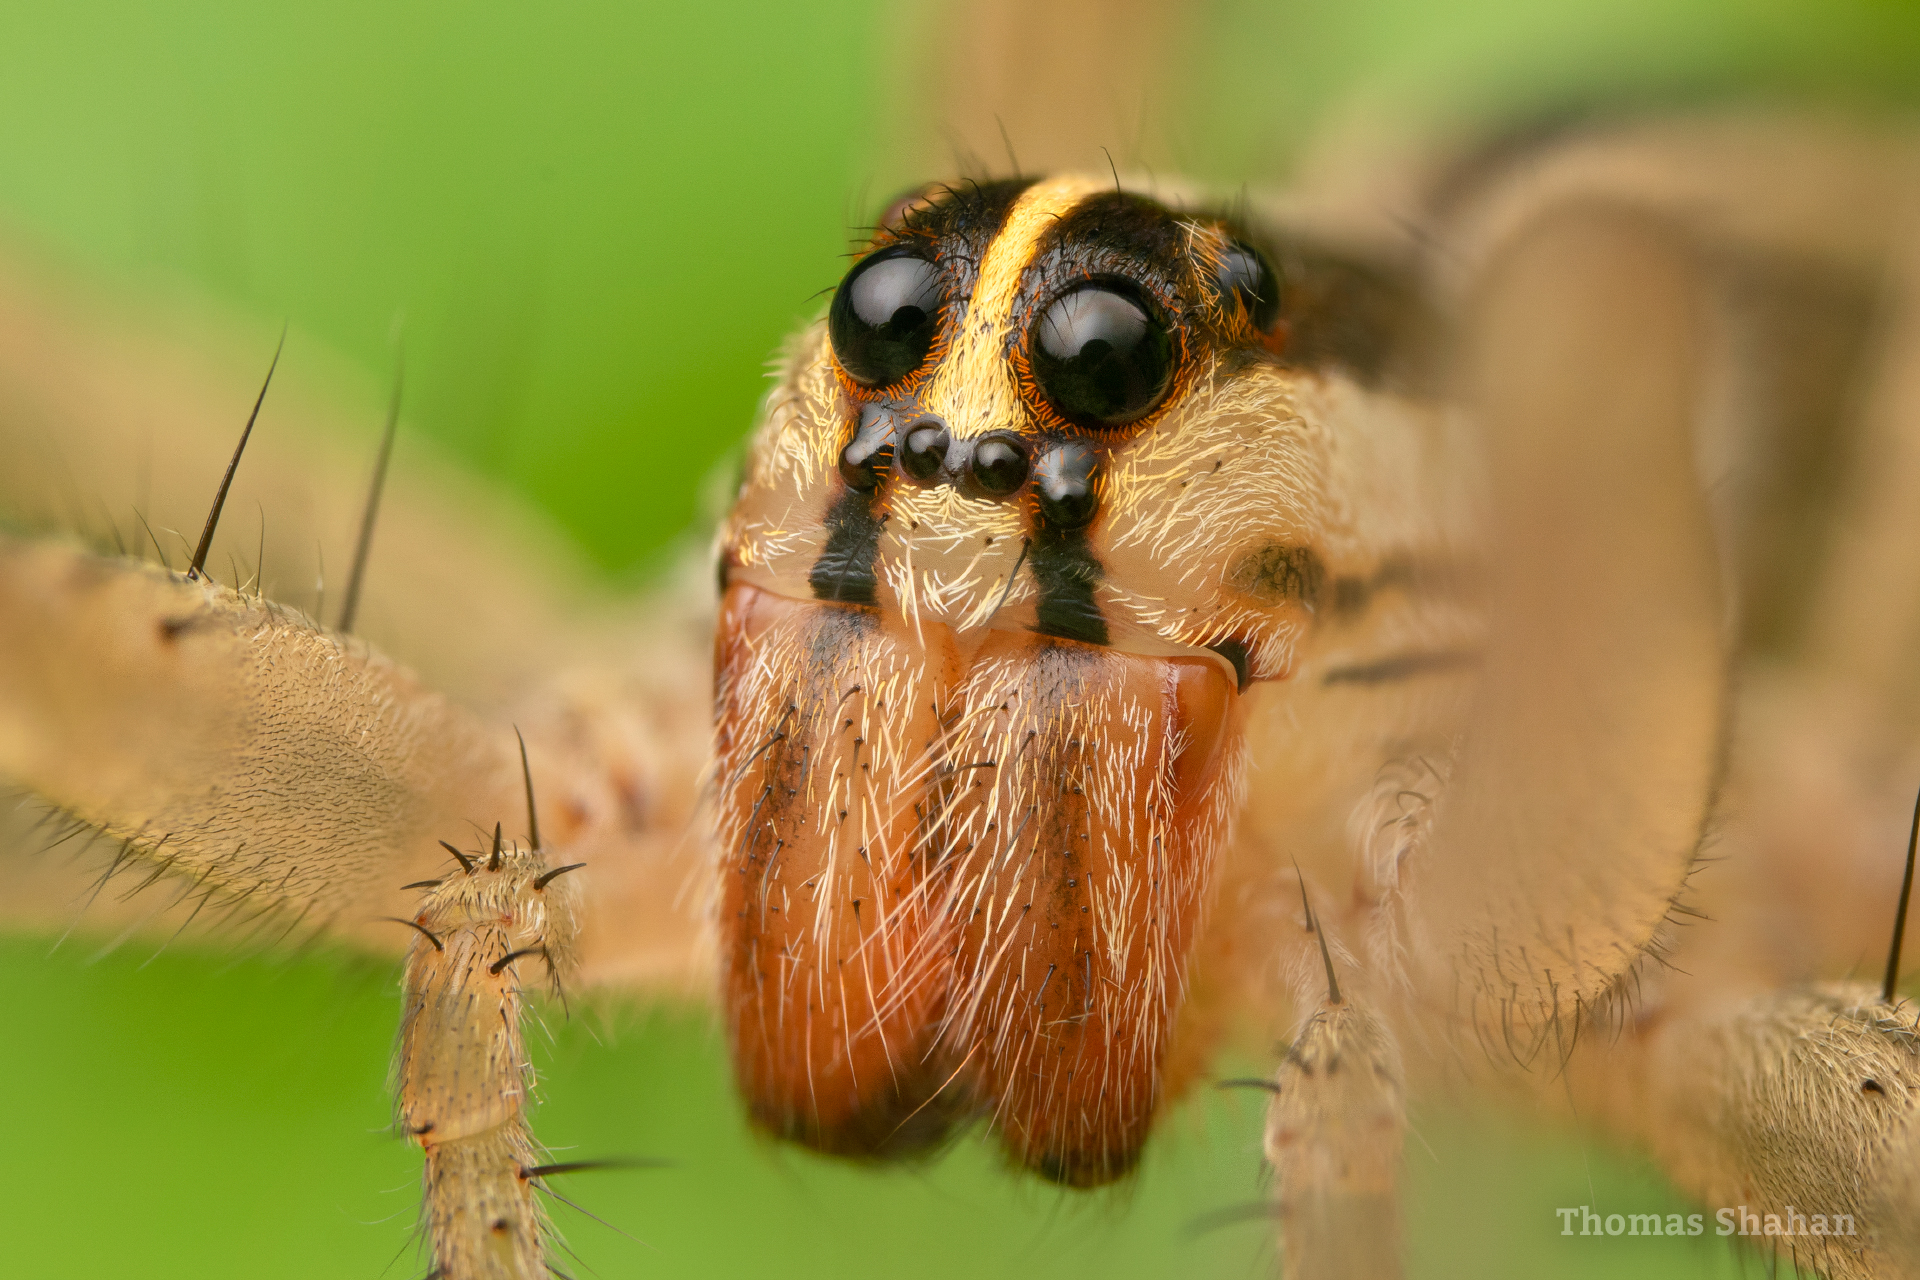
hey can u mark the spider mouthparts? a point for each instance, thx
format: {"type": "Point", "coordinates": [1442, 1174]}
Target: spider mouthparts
{"type": "Point", "coordinates": [831, 996]}
{"type": "Point", "coordinates": [960, 878]}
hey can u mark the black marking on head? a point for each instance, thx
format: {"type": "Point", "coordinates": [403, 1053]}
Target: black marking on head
{"type": "Point", "coordinates": [364, 543]}
{"type": "Point", "coordinates": [1065, 570]}
{"type": "Point", "coordinates": [233, 464]}
{"type": "Point", "coordinates": [1277, 572]}
{"type": "Point", "coordinates": [969, 212]}
{"type": "Point", "coordinates": [1235, 651]}
{"type": "Point", "coordinates": [1402, 667]}
{"type": "Point", "coordinates": [1363, 317]}
{"type": "Point", "coordinates": [1900, 919]}
{"type": "Point", "coordinates": [957, 223]}
{"type": "Point", "coordinates": [1873, 1086]}
{"type": "Point", "coordinates": [844, 571]}
{"type": "Point", "coordinates": [1118, 233]}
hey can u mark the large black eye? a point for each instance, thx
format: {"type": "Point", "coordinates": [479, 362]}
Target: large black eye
{"type": "Point", "coordinates": [885, 315]}
{"type": "Point", "coordinates": [1245, 273]}
{"type": "Point", "coordinates": [1102, 354]}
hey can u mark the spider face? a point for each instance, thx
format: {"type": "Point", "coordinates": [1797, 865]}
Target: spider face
{"type": "Point", "coordinates": [1027, 516]}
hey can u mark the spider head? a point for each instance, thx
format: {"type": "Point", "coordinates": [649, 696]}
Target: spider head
{"type": "Point", "coordinates": [1029, 513]}
{"type": "Point", "coordinates": [1049, 407]}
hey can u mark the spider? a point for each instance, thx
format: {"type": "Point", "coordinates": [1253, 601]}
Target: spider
{"type": "Point", "coordinates": [1136, 615]}
{"type": "Point", "coordinates": [1093, 550]}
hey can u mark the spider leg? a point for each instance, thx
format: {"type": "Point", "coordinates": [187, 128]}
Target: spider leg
{"type": "Point", "coordinates": [462, 1076]}
{"type": "Point", "coordinates": [1827, 785]}
{"type": "Point", "coordinates": [1334, 1135]}
{"type": "Point", "coordinates": [1794, 1109]}
{"type": "Point", "coordinates": [285, 774]}
{"type": "Point", "coordinates": [230, 741]}
{"type": "Point", "coordinates": [355, 783]}
{"type": "Point", "coordinates": [1593, 748]}
{"type": "Point", "coordinates": [1790, 1114]}
{"type": "Point", "coordinates": [1790, 1108]}
{"type": "Point", "coordinates": [116, 422]}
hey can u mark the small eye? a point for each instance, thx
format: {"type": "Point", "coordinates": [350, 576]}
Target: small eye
{"type": "Point", "coordinates": [1000, 463]}
{"type": "Point", "coordinates": [926, 452]}
{"type": "Point", "coordinates": [868, 457]}
{"type": "Point", "coordinates": [885, 316]}
{"type": "Point", "coordinates": [1102, 355]}
{"type": "Point", "coordinates": [1063, 484]}
{"type": "Point", "coordinates": [1245, 273]}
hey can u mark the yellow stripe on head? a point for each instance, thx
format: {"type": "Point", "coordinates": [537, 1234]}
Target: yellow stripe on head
{"type": "Point", "coordinates": [974, 388]}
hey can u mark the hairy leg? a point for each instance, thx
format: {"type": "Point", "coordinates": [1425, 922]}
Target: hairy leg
{"type": "Point", "coordinates": [1583, 783]}
{"type": "Point", "coordinates": [1800, 1103]}
{"type": "Point", "coordinates": [246, 765]}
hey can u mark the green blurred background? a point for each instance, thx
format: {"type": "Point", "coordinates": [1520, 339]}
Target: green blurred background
{"type": "Point", "coordinates": [594, 221]}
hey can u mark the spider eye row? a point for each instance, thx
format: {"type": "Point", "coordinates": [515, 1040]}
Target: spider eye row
{"type": "Point", "coordinates": [1101, 352]}
{"type": "Point", "coordinates": [1247, 277]}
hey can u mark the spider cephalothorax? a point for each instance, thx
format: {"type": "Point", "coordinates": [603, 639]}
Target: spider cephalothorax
{"type": "Point", "coordinates": [1027, 515]}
